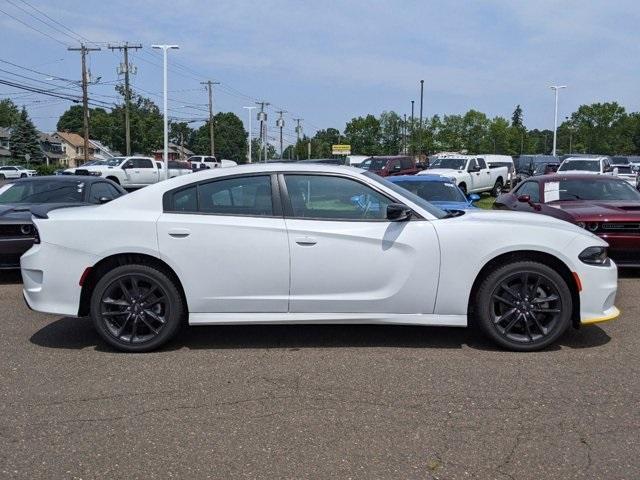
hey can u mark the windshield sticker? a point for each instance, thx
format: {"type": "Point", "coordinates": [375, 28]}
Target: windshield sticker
{"type": "Point", "coordinates": [551, 191]}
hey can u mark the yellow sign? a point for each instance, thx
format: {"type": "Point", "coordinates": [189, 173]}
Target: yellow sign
{"type": "Point", "coordinates": [341, 149]}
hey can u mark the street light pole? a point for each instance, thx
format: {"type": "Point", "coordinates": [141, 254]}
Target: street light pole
{"type": "Point", "coordinates": [164, 49]}
{"type": "Point", "coordinates": [555, 88]}
{"type": "Point", "coordinates": [250, 139]}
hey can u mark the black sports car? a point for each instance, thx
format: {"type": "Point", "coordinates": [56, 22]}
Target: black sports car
{"type": "Point", "coordinates": [18, 197]}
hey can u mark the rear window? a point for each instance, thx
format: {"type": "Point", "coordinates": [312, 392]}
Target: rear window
{"type": "Point", "coordinates": [42, 192]}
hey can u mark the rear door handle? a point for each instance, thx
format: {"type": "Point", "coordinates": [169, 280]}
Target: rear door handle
{"type": "Point", "coordinates": [306, 241]}
{"type": "Point", "coordinates": [179, 232]}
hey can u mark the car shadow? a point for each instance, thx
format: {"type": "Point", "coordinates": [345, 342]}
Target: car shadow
{"type": "Point", "coordinates": [74, 333]}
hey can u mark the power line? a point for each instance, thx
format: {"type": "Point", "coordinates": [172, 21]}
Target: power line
{"type": "Point", "coordinates": [42, 21]}
{"type": "Point", "coordinates": [55, 21]}
{"type": "Point", "coordinates": [33, 28]}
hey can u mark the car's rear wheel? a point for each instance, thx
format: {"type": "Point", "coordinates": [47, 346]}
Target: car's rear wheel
{"type": "Point", "coordinates": [136, 308]}
{"type": "Point", "coordinates": [523, 306]}
{"type": "Point", "coordinates": [497, 188]}
{"type": "Point", "coordinates": [463, 187]}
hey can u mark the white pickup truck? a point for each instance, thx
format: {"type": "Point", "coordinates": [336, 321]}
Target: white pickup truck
{"type": "Point", "coordinates": [470, 173]}
{"type": "Point", "coordinates": [129, 172]}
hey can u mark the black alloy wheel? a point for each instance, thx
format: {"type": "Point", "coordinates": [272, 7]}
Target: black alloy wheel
{"type": "Point", "coordinates": [497, 188]}
{"type": "Point", "coordinates": [524, 306]}
{"type": "Point", "coordinates": [136, 308]}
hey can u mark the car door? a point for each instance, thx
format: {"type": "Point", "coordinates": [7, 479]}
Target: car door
{"type": "Point", "coordinates": [485, 174]}
{"type": "Point", "coordinates": [227, 241]}
{"type": "Point", "coordinates": [475, 180]}
{"type": "Point", "coordinates": [529, 188]}
{"type": "Point", "coordinates": [146, 171]}
{"type": "Point", "coordinates": [346, 257]}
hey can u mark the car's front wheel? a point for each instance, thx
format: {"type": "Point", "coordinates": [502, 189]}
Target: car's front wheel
{"type": "Point", "coordinates": [523, 306]}
{"type": "Point", "coordinates": [136, 308]}
{"type": "Point", "coordinates": [23, 175]}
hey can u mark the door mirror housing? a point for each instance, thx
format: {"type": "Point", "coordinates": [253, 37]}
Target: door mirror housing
{"type": "Point", "coordinates": [396, 212]}
{"type": "Point", "coordinates": [396, 168]}
{"type": "Point", "coordinates": [524, 198]}
{"type": "Point", "coordinates": [128, 164]}
{"type": "Point", "coordinates": [615, 170]}
{"type": "Point", "coordinates": [474, 197]}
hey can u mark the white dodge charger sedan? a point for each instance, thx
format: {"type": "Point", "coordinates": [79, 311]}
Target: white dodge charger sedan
{"type": "Point", "coordinates": [294, 243]}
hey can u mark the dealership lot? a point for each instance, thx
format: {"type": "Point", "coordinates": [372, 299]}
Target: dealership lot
{"type": "Point", "coordinates": [317, 402]}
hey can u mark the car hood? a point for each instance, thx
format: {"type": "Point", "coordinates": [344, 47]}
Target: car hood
{"type": "Point", "coordinates": [15, 212]}
{"type": "Point", "coordinates": [585, 210]}
{"type": "Point", "coordinates": [443, 172]}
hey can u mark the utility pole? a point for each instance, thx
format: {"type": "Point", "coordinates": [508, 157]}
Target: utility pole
{"type": "Point", "coordinates": [250, 139]}
{"type": "Point", "coordinates": [421, 98]}
{"type": "Point", "coordinates": [298, 132]}
{"type": "Point", "coordinates": [280, 125]}
{"type": "Point", "coordinates": [126, 68]}
{"type": "Point", "coordinates": [262, 118]}
{"type": "Point", "coordinates": [404, 135]}
{"type": "Point", "coordinates": [412, 123]}
{"type": "Point", "coordinates": [210, 85]}
{"type": "Point", "coordinates": [555, 88]}
{"type": "Point", "coordinates": [85, 95]}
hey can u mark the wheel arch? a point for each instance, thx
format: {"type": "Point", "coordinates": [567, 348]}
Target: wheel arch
{"type": "Point", "coordinates": [531, 255]}
{"type": "Point", "coordinates": [116, 260]}
{"type": "Point", "coordinates": [113, 178]}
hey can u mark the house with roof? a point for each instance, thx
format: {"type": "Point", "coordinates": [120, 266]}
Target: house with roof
{"type": "Point", "coordinates": [101, 151]}
{"type": "Point", "coordinates": [73, 148]}
{"type": "Point", "coordinates": [176, 152]}
{"type": "Point", "coordinates": [51, 147]}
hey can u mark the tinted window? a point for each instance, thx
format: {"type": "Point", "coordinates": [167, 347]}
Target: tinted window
{"type": "Point", "coordinates": [42, 192]}
{"type": "Point", "coordinates": [406, 163]}
{"type": "Point", "coordinates": [583, 165]}
{"type": "Point", "coordinates": [601, 190]}
{"type": "Point", "coordinates": [237, 196]}
{"type": "Point", "coordinates": [532, 189]}
{"type": "Point", "coordinates": [142, 163]}
{"type": "Point", "coordinates": [434, 191]}
{"type": "Point", "coordinates": [449, 163]}
{"type": "Point", "coordinates": [334, 198]}
{"type": "Point", "coordinates": [185, 200]}
{"type": "Point", "coordinates": [102, 190]}
{"type": "Point", "coordinates": [481, 163]}
{"type": "Point", "coordinates": [472, 165]}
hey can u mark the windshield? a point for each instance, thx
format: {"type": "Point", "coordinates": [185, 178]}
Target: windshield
{"type": "Point", "coordinates": [583, 165]}
{"type": "Point", "coordinates": [42, 192]}
{"type": "Point", "coordinates": [449, 163]}
{"type": "Point", "coordinates": [432, 209]}
{"type": "Point", "coordinates": [434, 191]}
{"type": "Point", "coordinates": [373, 164]}
{"type": "Point", "coordinates": [114, 162]}
{"type": "Point", "coordinates": [604, 190]}
{"type": "Point", "coordinates": [93, 162]}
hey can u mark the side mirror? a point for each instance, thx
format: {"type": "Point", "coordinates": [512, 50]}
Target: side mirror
{"type": "Point", "coordinates": [127, 165]}
{"type": "Point", "coordinates": [615, 171]}
{"type": "Point", "coordinates": [103, 200]}
{"type": "Point", "coordinates": [527, 199]}
{"type": "Point", "coordinates": [397, 212]}
{"type": "Point", "coordinates": [474, 197]}
{"type": "Point", "coordinates": [396, 168]}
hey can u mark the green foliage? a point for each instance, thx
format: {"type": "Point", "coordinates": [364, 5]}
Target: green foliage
{"type": "Point", "coordinates": [363, 134]}
{"type": "Point", "coordinates": [71, 120]}
{"type": "Point", "coordinates": [9, 113]}
{"type": "Point", "coordinates": [44, 169]}
{"type": "Point", "coordinates": [230, 138]}
{"type": "Point", "coordinates": [517, 117]}
{"type": "Point", "coordinates": [24, 138]}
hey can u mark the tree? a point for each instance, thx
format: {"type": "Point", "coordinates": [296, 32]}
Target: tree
{"type": "Point", "coordinates": [363, 134]}
{"type": "Point", "coordinates": [9, 113]}
{"type": "Point", "coordinates": [24, 138]}
{"type": "Point", "coordinates": [517, 118]}
{"type": "Point", "coordinates": [450, 137]}
{"type": "Point", "coordinates": [230, 138]}
{"type": "Point", "coordinates": [71, 120]}
{"type": "Point", "coordinates": [598, 126]}
{"type": "Point", "coordinates": [322, 142]}
{"type": "Point", "coordinates": [181, 133]}
{"type": "Point", "coordinates": [476, 130]}
{"type": "Point", "coordinates": [390, 133]}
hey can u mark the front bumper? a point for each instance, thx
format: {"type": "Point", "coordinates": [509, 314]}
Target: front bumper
{"type": "Point", "coordinates": [599, 288]}
{"type": "Point", "coordinates": [11, 249]}
{"type": "Point", "coordinates": [624, 248]}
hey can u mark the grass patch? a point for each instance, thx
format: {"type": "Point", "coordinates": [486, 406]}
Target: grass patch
{"type": "Point", "coordinates": [485, 202]}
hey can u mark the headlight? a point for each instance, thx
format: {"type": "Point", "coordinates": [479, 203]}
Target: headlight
{"type": "Point", "coordinates": [582, 224]}
{"type": "Point", "coordinates": [594, 256]}
{"type": "Point", "coordinates": [592, 227]}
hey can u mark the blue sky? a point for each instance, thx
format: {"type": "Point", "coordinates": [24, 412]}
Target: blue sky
{"type": "Point", "coordinates": [330, 61]}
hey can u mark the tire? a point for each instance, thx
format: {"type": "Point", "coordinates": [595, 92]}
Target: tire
{"type": "Point", "coordinates": [2, 177]}
{"type": "Point", "coordinates": [497, 188]}
{"type": "Point", "coordinates": [114, 179]}
{"type": "Point", "coordinates": [463, 187]}
{"type": "Point", "coordinates": [527, 321]}
{"type": "Point", "coordinates": [24, 175]}
{"type": "Point", "coordinates": [121, 318]}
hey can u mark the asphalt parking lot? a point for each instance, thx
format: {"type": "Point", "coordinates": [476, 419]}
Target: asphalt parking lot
{"type": "Point", "coordinates": [317, 402]}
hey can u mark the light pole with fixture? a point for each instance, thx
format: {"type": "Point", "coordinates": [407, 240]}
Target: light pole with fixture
{"type": "Point", "coordinates": [164, 49]}
{"type": "Point", "coordinates": [250, 140]}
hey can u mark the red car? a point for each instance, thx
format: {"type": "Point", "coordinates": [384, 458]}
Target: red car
{"type": "Point", "coordinates": [392, 165]}
{"type": "Point", "coordinates": [605, 205]}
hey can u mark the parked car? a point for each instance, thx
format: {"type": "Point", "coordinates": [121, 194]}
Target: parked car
{"type": "Point", "coordinates": [604, 205]}
{"type": "Point", "coordinates": [286, 243]}
{"type": "Point", "coordinates": [325, 161]}
{"type": "Point", "coordinates": [471, 174]}
{"type": "Point", "coordinates": [494, 161]}
{"type": "Point", "coordinates": [130, 172]}
{"type": "Point", "coordinates": [18, 197]}
{"type": "Point", "coordinates": [204, 162]}
{"type": "Point", "coordinates": [8, 172]}
{"type": "Point", "coordinates": [90, 163]}
{"type": "Point", "coordinates": [176, 167]}
{"type": "Point", "coordinates": [536, 169]}
{"type": "Point", "coordinates": [625, 169]}
{"type": "Point", "coordinates": [391, 165]}
{"type": "Point", "coordinates": [526, 163]}
{"type": "Point", "coordinates": [355, 160]}
{"type": "Point", "coordinates": [437, 190]}
{"type": "Point", "coordinates": [588, 165]}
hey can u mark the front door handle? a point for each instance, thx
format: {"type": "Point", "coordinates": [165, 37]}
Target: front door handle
{"type": "Point", "coordinates": [306, 241]}
{"type": "Point", "coordinates": [179, 232]}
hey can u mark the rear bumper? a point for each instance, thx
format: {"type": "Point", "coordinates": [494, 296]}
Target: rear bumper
{"type": "Point", "coordinates": [51, 275]}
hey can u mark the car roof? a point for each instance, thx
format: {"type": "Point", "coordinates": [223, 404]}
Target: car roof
{"type": "Point", "coordinates": [423, 177]}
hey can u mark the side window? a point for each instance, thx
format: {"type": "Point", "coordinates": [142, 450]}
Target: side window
{"type": "Point", "coordinates": [406, 163]}
{"type": "Point", "coordinates": [102, 190]}
{"type": "Point", "coordinates": [128, 164]}
{"type": "Point", "coordinates": [185, 200]}
{"type": "Point", "coordinates": [142, 163]}
{"type": "Point", "coordinates": [472, 165]}
{"type": "Point", "coordinates": [334, 198]}
{"type": "Point", "coordinates": [530, 188]}
{"type": "Point", "coordinates": [394, 165]}
{"type": "Point", "coordinates": [237, 196]}
{"type": "Point", "coordinates": [481, 163]}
